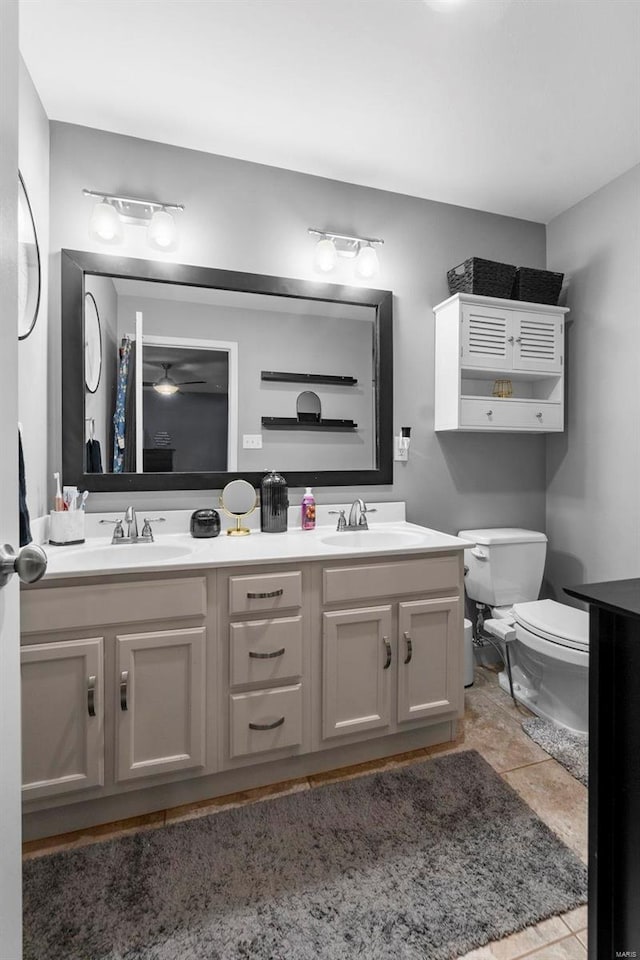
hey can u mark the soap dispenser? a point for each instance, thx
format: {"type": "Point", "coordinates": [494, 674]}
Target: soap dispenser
{"type": "Point", "coordinates": [274, 503]}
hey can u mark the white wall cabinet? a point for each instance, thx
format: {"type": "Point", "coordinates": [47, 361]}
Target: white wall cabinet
{"type": "Point", "coordinates": [62, 717]}
{"type": "Point", "coordinates": [480, 340]}
{"type": "Point", "coordinates": [160, 702]}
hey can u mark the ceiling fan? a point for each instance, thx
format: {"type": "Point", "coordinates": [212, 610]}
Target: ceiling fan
{"type": "Point", "coordinates": [166, 385]}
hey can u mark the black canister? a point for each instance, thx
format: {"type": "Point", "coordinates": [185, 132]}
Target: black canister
{"type": "Point", "coordinates": [274, 503]}
{"type": "Point", "coordinates": [205, 523]}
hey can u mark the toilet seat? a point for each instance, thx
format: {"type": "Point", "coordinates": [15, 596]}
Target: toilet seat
{"type": "Point", "coordinates": [554, 622]}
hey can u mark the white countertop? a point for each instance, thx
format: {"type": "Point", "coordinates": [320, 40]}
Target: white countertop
{"type": "Point", "coordinates": [388, 535]}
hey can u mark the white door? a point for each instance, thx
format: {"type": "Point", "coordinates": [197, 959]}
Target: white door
{"type": "Point", "coordinates": [10, 833]}
{"type": "Point", "coordinates": [486, 337]}
{"type": "Point", "coordinates": [538, 343]}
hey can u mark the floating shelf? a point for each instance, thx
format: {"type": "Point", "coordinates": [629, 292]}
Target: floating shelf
{"type": "Point", "coordinates": [275, 375]}
{"type": "Point", "coordinates": [292, 423]}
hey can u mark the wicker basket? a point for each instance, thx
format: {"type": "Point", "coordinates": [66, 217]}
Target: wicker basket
{"type": "Point", "coordinates": [489, 278]}
{"type": "Point", "coordinates": [537, 286]}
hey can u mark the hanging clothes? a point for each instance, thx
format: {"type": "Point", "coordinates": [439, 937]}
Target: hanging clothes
{"type": "Point", "coordinates": [120, 414]}
{"type": "Point", "coordinates": [129, 465]}
{"type": "Point", "coordinates": [94, 456]}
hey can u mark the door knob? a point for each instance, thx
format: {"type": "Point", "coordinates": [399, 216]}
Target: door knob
{"type": "Point", "coordinates": [30, 564]}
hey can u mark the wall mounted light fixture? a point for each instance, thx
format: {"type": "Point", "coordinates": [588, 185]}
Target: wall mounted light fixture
{"type": "Point", "coordinates": [362, 250]}
{"type": "Point", "coordinates": [111, 212]}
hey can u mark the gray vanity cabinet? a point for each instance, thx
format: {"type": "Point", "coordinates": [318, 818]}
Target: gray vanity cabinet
{"type": "Point", "coordinates": [428, 658]}
{"type": "Point", "coordinates": [356, 676]}
{"type": "Point", "coordinates": [62, 717]}
{"type": "Point", "coordinates": [160, 702]}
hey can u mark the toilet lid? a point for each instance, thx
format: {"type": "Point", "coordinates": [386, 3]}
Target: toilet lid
{"type": "Point", "coordinates": [555, 621]}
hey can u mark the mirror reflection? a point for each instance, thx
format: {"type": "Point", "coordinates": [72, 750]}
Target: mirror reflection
{"type": "Point", "coordinates": [197, 379]}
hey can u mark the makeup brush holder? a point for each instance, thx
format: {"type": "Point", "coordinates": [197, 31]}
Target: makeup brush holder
{"type": "Point", "coordinates": [66, 527]}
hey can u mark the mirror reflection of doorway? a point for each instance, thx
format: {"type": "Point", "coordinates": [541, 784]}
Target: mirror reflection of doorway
{"type": "Point", "coordinates": [188, 415]}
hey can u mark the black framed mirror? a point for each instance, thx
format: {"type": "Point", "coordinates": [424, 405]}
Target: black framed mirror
{"type": "Point", "coordinates": [201, 370]}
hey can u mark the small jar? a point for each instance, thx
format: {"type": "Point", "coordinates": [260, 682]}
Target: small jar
{"type": "Point", "coordinates": [205, 523]}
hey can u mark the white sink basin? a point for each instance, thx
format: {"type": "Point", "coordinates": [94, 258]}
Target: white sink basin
{"type": "Point", "coordinates": [373, 540]}
{"type": "Point", "coordinates": [131, 554]}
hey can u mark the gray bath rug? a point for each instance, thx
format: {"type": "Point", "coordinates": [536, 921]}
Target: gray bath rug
{"type": "Point", "coordinates": [428, 861]}
{"type": "Point", "coordinates": [568, 748]}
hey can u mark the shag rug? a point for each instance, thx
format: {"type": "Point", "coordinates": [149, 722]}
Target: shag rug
{"type": "Point", "coordinates": [428, 861]}
{"type": "Point", "coordinates": [568, 748]}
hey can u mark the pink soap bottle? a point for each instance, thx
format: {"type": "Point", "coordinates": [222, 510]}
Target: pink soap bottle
{"type": "Point", "coordinates": [308, 510]}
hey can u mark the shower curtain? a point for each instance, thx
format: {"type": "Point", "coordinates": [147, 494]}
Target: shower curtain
{"type": "Point", "coordinates": [124, 418]}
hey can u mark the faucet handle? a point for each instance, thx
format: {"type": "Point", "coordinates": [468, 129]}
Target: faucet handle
{"type": "Point", "coordinates": [147, 532]}
{"type": "Point", "coordinates": [342, 523]}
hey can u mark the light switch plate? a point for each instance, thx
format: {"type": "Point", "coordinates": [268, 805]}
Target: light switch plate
{"type": "Point", "coordinates": [252, 441]}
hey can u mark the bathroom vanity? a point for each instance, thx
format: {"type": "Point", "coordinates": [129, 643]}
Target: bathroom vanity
{"type": "Point", "coordinates": [193, 668]}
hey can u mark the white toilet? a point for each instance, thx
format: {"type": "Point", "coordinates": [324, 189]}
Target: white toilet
{"type": "Point", "coordinates": [550, 655]}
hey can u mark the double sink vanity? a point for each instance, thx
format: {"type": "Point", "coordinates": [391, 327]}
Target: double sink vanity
{"type": "Point", "coordinates": [163, 673]}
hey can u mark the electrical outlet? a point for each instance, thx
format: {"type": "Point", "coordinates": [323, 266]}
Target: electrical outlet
{"type": "Point", "coordinates": [252, 441]}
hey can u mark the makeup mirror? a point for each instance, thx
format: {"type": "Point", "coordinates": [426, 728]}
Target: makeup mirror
{"type": "Point", "coordinates": [238, 500]}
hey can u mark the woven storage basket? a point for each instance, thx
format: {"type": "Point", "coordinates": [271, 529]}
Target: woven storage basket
{"type": "Point", "coordinates": [489, 278]}
{"type": "Point", "coordinates": [537, 286]}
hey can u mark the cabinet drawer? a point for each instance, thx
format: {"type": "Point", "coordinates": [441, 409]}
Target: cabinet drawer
{"type": "Point", "coordinates": [67, 608]}
{"type": "Point", "coordinates": [267, 591]}
{"type": "Point", "coordinates": [265, 720]}
{"type": "Point", "coordinates": [265, 651]}
{"type": "Point", "coordinates": [510, 414]}
{"type": "Point", "coordinates": [391, 579]}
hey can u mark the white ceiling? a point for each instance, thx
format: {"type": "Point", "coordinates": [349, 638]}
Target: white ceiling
{"type": "Point", "coordinates": [520, 107]}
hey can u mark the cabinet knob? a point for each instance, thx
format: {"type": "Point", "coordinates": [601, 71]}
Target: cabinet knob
{"type": "Point", "coordinates": [539, 415]}
{"type": "Point", "coordinates": [510, 339]}
{"type": "Point", "coordinates": [489, 413]}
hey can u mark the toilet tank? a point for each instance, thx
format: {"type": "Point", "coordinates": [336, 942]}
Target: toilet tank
{"type": "Point", "coordinates": [505, 565]}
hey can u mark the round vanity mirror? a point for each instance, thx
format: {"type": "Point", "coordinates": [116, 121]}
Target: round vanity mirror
{"type": "Point", "coordinates": [28, 265]}
{"type": "Point", "coordinates": [238, 500]}
{"type": "Point", "coordinates": [92, 344]}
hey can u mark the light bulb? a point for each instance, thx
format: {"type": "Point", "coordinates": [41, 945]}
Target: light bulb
{"type": "Point", "coordinates": [165, 388]}
{"type": "Point", "coordinates": [105, 224]}
{"type": "Point", "coordinates": [326, 255]}
{"type": "Point", "coordinates": [161, 232]}
{"type": "Point", "coordinates": [367, 263]}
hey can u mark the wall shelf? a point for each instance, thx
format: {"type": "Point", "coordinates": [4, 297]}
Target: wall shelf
{"type": "Point", "coordinates": [292, 423]}
{"type": "Point", "coordinates": [279, 377]}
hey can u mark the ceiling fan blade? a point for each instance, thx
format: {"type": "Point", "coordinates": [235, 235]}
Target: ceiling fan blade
{"type": "Point", "coordinates": [184, 383]}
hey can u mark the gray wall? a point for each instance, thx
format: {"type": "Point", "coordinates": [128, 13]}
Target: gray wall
{"type": "Point", "coordinates": [280, 341]}
{"type": "Point", "coordinates": [101, 404]}
{"type": "Point", "coordinates": [593, 469]}
{"type": "Point", "coordinates": [244, 216]}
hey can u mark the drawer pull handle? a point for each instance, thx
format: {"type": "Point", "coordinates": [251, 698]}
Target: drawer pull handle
{"type": "Point", "coordinates": [539, 415]}
{"type": "Point", "coordinates": [124, 680]}
{"type": "Point", "coordinates": [266, 656]}
{"type": "Point", "coordinates": [387, 647]}
{"type": "Point", "coordinates": [91, 696]}
{"type": "Point", "coordinates": [489, 413]}
{"type": "Point", "coordinates": [407, 659]}
{"type": "Point", "coordinates": [267, 726]}
{"type": "Point", "coordinates": [266, 596]}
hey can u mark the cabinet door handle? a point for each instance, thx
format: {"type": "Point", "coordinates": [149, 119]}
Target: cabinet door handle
{"type": "Point", "coordinates": [407, 638]}
{"type": "Point", "coordinates": [518, 339]}
{"type": "Point", "coordinates": [91, 696]}
{"type": "Point", "coordinates": [539, 415]}
{"type": "Point", "coordinates": [124, 680]}
{"type": "Point", "coordinates": [510, 339]}
{"type": "Point", "coordinates": [266, 656]}
{"type": "Point", "coordinates": [387, 647]}
{"type": "Point", "coordinates": [267, 726]}
{"type": "Point", "coordinates": [266, 596]}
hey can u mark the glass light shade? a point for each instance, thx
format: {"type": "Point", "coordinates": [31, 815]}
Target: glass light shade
{"type": "Point", "coordinates": [326, 255]}
{"type": "Point", "coordinates": [165, 387]}
{"type": "Point", "coordinates": [161, 232]}
{"type": "Point", "coordinates": [367, 263]}
{"type": "Point", "coordinates": [105, 224]}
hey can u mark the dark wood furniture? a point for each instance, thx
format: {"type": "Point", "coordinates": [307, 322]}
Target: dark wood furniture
{"type": "Point", "coordinates": [614, 767]}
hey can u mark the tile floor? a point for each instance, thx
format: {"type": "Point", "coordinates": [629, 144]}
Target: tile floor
{"type": "Point", "coordinates": [492, 727]}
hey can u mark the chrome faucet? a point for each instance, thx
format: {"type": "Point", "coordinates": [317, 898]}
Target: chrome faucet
{"type": "Point", "coordinates": [357, 516]}
{"type": "Point", "coordinates": [132, 525]}
{"type": "Point", "coordinates": [131, 535]}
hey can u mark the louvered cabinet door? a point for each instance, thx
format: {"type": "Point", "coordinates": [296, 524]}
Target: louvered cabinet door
{"type": "Point", "coordinates": [538, 343]}
{"type": "Point", "coordinates": [485, 337]}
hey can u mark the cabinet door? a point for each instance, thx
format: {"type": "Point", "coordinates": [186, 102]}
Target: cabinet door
{"type": "Point", "coordinates": [357, 654]}
{"type": "Point", "coordinates": [62, 717]}
{"type": "Point", "coordinates": [487, 339]}
{"type": "Point", "coordinates": [538, 343]}
{"type": "Point", "coordinates": [429, 661]}
{"type": "Point", "coordinates": [160, 702]}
